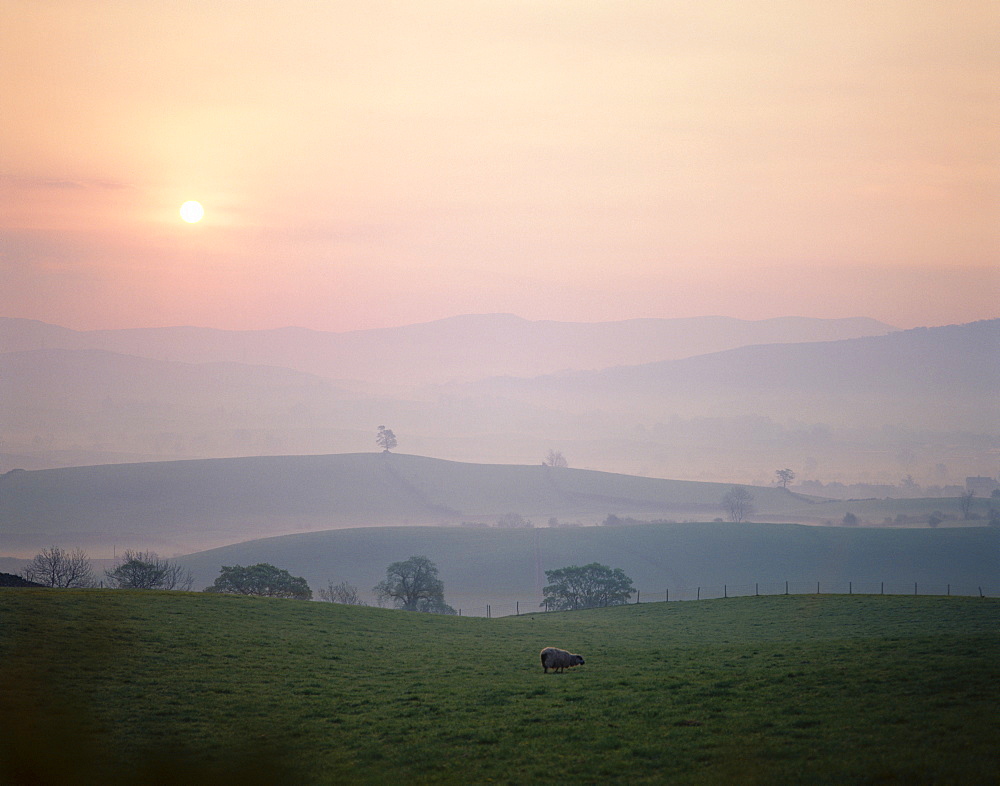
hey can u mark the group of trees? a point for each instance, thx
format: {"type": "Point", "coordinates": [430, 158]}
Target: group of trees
{"type": "Point", "coordinates": [56, 567]}
{"type": "Point", "coordinates": [145, 570]}
{"type": "Point", "coordinates": [260, 580]}
{"type": "Point", "coordinates": [412, 585]}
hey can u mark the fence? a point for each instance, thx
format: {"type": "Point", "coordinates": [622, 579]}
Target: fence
{"type": "Point", "coordinates": [722, 591]}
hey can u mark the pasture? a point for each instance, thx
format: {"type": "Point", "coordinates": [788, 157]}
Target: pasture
{"type": "Point", "coordinates": [154, 687]}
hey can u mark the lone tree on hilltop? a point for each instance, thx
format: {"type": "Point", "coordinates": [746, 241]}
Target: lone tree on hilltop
{"type": "Point", "coordinates": [57, 568]}
{"type": "Point", "coordinates": [586, 587]}
{"type": "Point", "coordinates": [145, 570]}
{"type": "Point", "coordinates": [555, 458]}
{"type": "Point", "coordinates": [785, 476]}
{"type": "Point", "coordinates": [413, 585]}
{"type": "Point", "coordinates": [738, 502]}
{"type": "Point", "coordinates": [385, 439]}
{"type": "Point", "coordinates": [261, 580]}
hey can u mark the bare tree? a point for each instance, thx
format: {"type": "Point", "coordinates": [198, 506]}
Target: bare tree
{"type": "Point", "coordinates": [555, 458]}
{"type": "Point", "coordinates": [145, 570]}
{"type": "Point", "coordinates": [785, 476]}
{"type": "Point", "coordinates": [513, 521]}
{"type": "Point", "coordinates": [177, 577]}
{"type": "Point", "coordinates": [57, 568]}
{"type": "Point", "coordinates": [965, 503]}
{"type": "Point", "coordinates": [341, 593]}
{"type": "Point", "coordinates": [738, 502]}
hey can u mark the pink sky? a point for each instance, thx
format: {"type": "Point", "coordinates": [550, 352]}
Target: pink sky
{"type": "Point", "coordinates": [380, 163]}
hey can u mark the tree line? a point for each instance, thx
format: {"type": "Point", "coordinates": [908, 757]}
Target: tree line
{"type": "Point", "coordinates": [56, 567]}
{"type": "Point", "coordinates": [413, 584]}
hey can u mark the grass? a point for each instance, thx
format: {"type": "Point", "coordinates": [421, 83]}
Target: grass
{"type": "Point", "coordinates": [113, 686]}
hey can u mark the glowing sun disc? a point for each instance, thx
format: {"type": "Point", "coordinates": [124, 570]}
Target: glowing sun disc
{"type": "Point", "coordinates": [192, 212]}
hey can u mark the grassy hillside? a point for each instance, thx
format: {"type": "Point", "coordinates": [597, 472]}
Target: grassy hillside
{"type": "Point", "coordinates": [187, 505]}
{"type": "Point", "coordinates": [501, 567]}
{"type": "Point", "coordinates": [105, 686]}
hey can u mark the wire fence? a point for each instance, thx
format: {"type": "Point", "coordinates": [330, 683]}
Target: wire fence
{"type": "Point", "coordinates": [722, 591]}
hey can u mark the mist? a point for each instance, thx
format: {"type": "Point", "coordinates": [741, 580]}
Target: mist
{"type": "Point", "coordinates": [839, 401]}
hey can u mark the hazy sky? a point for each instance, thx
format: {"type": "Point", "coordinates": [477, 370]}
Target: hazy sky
{"type": "Point", "coordinates": [365, 164]}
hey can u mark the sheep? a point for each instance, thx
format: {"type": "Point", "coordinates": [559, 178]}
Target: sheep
{"type": "Point", "coordinates": [558, 660]}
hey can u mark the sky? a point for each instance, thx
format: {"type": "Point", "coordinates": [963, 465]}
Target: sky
{"type": "Point", "coordinates": [383, 163]}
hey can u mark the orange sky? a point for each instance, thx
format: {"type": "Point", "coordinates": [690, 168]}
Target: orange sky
{"type": "Point", "coordinates": [380, 163]}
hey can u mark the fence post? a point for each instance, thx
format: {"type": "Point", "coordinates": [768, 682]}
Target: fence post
{"type": "Point", "coordinates": [487, 611]}
{"type": "Point", "coordinates": [949, 590]}
{"type": "Point", "coordinates": [914, 588]}
{"type": "Point", "coordinates": [882, 592]}
{"type": "Point", "coordinates": [517, 607]}
{"type": "Point", "coordinates": [725, 591]}
{"type": "Point", "coordinates": [786, 587]}
{"type": "Point", "coordinates": [699, 594]}
{"type": "Point", "coordinates": [756, 588]}
{"type": "Point", "coordinates": [980, 592]}
{"type": "Point", "coordinates": [850, 588]}
{"type": "Point", "coordinates": [817, 588]}
{"type": "Point", "coordinates": [668, 597]}
{"type": "Point", "coordinates": [637, 597]}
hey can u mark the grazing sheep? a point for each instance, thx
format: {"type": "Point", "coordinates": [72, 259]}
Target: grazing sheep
{"type": "Point", "coordinates": [558, 660]}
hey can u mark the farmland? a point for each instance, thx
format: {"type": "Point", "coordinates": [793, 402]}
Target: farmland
{"type": "Point", "coordinates": [159, 687]}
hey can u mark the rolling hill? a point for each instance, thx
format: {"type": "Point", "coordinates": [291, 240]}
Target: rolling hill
{"type": "Point", "coordinates": [501, 566]}
{"type": "Point", "coordinates": [181, 506]}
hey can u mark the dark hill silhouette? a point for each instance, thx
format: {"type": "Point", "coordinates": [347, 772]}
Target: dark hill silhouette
{"type": "Point", "coordinates": [10, 580]}
{"type": "Point", "coordinates": [181, 506]}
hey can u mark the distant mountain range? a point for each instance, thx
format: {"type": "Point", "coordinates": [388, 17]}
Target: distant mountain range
{"type": "Point", "coordinates": [945, 377]}
{"type": "Point", "coordinates": [460, 348]}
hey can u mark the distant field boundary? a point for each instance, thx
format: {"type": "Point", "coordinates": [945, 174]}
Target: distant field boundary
{"type": "Point", "coordinates": [723, 591]}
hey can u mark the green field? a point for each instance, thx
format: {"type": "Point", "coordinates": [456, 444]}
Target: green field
{"type": "Point", "coordinates": [144, 687]}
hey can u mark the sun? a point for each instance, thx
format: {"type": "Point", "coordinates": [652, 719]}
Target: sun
{"type": "Point", "coordinates": [192, 212]}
